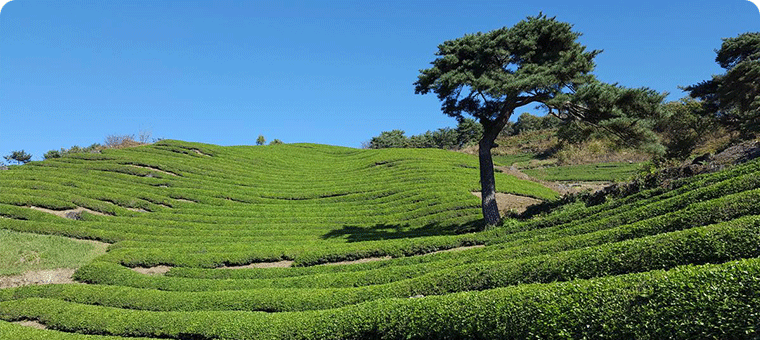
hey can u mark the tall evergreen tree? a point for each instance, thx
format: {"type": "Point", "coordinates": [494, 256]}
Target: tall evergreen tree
{"type": "Point", "coordinates": [538, 61]}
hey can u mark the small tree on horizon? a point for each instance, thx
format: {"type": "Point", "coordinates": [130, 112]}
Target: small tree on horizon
{"type": "Point", "coordinates": [538, 61]}
{"type": "Point", "coordinates": [261, 140]}
{"type": "Point", "coordinates": [20, 157]}
{"type": "Point", "coordinates": [389, 139]}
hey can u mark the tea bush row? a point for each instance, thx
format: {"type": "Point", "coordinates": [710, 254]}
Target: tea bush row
{"type": "Point", "coordinates": [709, 301]}
{"type": "Point", "coordinates": [719, 243]}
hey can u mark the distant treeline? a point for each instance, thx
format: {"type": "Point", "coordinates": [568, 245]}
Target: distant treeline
{"type": "Point", "coordinates": [468, 132]}
{"type": "Point", "coordinates": [682, 126]}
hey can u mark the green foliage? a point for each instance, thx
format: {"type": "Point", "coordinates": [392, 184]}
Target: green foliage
{"type": "Point", "coordinates": [575, 132]}
{"type": "Point", "coordinates": [445, 138]}
{"type": "Point", "coordinates": [260, 140]}
{"type": "Point", "coordinates": [677, 263]}
{"type": "Point", "coordinates": [467, 132]}
{"type": "Point", "coordinates": [537, 61]}
{"type": "Point", "coordinates": [404, 195]}
{"type": "Point", "coordinates": [528, 122]}
{"type": "Point", "coordinates": [502, 68]}
{"type": "Point", "coordinates": [733, 97]}
{"type": "Point", "coordinates": [612, 172]}
{"type": "Point", "coordinates": [24, 251]}
{"type": "Point", "coordinates": [389, 139]}
{"type": "Point", "coordinates": [627, 115]}
{"type": "Point", "coordinates": [275, 142]}
{"type": "Point", "coordinates": [684, 127]}
{"type": "Point", "coordinates": [94, 148]}
{"type": "Point", "coordinates": [52, 154]}
{"type": "Point", "coordinates": [509, 160]}
{"type": "Point", "coordinates": [19, 332]}
{"type": "Point", "coordinates": [19, 156]}
{"type": "Point", "coordinates": [676, 304]}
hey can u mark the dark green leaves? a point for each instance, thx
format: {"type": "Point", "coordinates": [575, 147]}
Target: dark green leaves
{"type": "Point", "coordinates": [628, 114]}
{"type": "Point", "coordinates": [734, 97]}
{"type": "Point", "coordinates": [488, 75]}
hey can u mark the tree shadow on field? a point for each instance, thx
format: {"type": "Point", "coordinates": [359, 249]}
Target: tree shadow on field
{"type": "Point", "coordinates": [355, 233]}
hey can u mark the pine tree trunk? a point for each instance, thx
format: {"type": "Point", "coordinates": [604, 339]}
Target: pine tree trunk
{"type": "Point", "coordinates": [487, 181]}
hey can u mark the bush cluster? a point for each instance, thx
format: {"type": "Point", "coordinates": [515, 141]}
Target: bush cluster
{"type": "Point", "coordinates": [467, 132]}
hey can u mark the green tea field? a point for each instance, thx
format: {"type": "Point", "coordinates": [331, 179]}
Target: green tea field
{"type": "Point", "coordinates": [306, 241]}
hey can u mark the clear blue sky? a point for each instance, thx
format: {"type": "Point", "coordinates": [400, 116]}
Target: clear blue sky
{"type": "Point", "coordinates": [332, 72]}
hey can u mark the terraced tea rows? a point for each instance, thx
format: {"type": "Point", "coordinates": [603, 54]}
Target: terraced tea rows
{"type": "Point", "coordinates": [679, 263]}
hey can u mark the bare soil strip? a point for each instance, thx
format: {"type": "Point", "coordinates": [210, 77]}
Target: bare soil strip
{"type": "Point", "coordinates": [512, 202]}
{"type": "Point", "coordinates": [154, 169]}
{"type": "Point", "coordinates": [137, 210]}
{"type": "Point", "coordinates": [285, 264]}
{"type": "Point", "coordinates": [157, 270]}
{"type": "Point", "coordinates": [278, 264]}
{"type": "Point", "coordinates": [364, 260]}
{"type": "Point", "coordinates": [576, 187]}
{"type": "Point", "coordinates": [39, 277]}
{"type": "Point", "coordinates": [184, 200]}
{"type": "Point", "coordinates": [201, 153]}
{"type": "Point", "coordinates": [70, 214]}
{"type": "Point", "coordinates": [383, 258]}
{"type": "Point", "coordinates": [457, 249]}
{"type": "Point", "coordinates": [31, 323]}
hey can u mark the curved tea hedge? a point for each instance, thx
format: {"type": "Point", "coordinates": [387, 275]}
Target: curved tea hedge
{"type": "Point", "coordinates": [681, 263]}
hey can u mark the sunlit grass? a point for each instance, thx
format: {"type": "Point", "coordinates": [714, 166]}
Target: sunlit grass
{"type": "Point", "coordinates": [610, 172]}
{"type": "Point", "coordinates": [21, 252]}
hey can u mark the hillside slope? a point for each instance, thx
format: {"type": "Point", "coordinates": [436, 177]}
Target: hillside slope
{"type": "Point", "coordinates": [179, 203]}
{"type": "Point", "coordinates": [680, 263]}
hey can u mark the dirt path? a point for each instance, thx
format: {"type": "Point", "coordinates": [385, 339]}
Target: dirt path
{"type": "Point", "coordinates": [201, 153]}
{"type": "Point", "coordinates": [509, 202]}
{"type": "Point", "coordinates": [154, 169]}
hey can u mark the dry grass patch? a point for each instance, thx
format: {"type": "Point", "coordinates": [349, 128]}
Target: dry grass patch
{"type": "Point", "coordinates": [31, 323]}
{"type": "Point", "coordinates": [38, 277]}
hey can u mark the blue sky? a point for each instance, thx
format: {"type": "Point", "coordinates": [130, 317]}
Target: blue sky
{"type": "Point", "coordinates": [332, 72]}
